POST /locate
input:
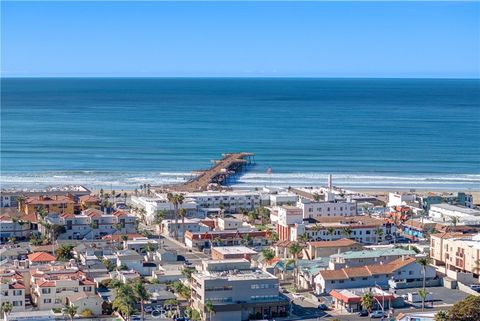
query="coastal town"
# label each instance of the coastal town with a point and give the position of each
(202, 250)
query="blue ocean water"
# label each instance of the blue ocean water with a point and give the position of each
(122, 132)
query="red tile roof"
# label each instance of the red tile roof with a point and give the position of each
(41, 257)
(337, 243)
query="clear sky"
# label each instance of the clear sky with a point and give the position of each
(308, 39)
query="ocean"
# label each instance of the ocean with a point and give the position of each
(122, 132)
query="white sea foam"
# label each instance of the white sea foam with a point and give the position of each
(132, 180)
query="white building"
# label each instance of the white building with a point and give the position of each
(152, 205)
(399, 199)
(312, 209)
(139, 244)
(12, 289)
(188, 224)
(445, 212)
(92, 224)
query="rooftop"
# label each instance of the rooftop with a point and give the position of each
(338, 243)
(229, 250)
(349, 255)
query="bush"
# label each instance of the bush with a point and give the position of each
(87, 313)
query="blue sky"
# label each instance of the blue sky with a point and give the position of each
(308, 39)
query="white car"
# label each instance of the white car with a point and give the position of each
(297, 296)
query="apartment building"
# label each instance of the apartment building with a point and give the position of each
(12, 290)
(445, 213)
(51, 286)
(232, 252)
(320, 249)
(313, 209)
(362, 229)
(188, 224)
(367, 257)
(92, 224)
(50, 204)
(14, 228)
(9, 196)
(456, 251)
(202, 240)
(237, 291)
(401, 273)
(140, 244)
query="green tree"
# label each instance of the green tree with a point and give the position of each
(367, 301)
(294, 250)
(378, 234)
(268, 255)
(176, 200)
(149, 247)
(6, 307)
(441, 316)
(210, 309)
(331, 231)
(466, 310)
(346, 231)
(304, 237)
(423, 294)
(64, 252)
(69, 310)
(125, 301)
(423, 262)
(141, 295)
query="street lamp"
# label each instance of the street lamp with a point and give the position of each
(383, 300)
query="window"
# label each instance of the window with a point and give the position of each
(17, 292)
(17, 303)
(46, 291)
(47, 300)
(57, 301)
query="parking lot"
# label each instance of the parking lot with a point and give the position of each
(441, 295)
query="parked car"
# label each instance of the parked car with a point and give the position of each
(377, 314)
(297, 296)
(363, 313)
(147, 309)
(475, 287)
(323, 307)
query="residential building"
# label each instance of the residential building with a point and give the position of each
(92, 224)
(313, 209)
(89, 201)
(40, 258)
(401, 273)
(86, 301)
(51, 287)
(237, 291)
(456, 251)
(232, 252)
(51, 204)
(228, 223)
(320, 249)
(363, 229)
(12, 290)
(14, 228)
(400, 199)
(202, 240)
(288, 216)
(134, 261)
(445, 213)
(140, 244)
(460, 198)
(188, 224)
(367, 257)
(8, 197)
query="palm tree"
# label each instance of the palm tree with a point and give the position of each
(246, 239)
(182, 213)
(141, 294)
(273, 237)
(346, 231)
(454, 221)
(21, 201)
(366, 210)
(268, 255)
(6, 307)
(424, 261)
(330, 231)
(209, 308)
(423, 294)
(316, 197)
(69, 310)
(125, 300)
(304, 237)
(366, 301)
(176, 200)
(294, 250)
(149, 247)
(378, 234)
(159, 217)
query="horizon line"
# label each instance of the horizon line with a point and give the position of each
(238, 77)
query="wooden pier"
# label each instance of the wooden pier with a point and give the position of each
(218, 175)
